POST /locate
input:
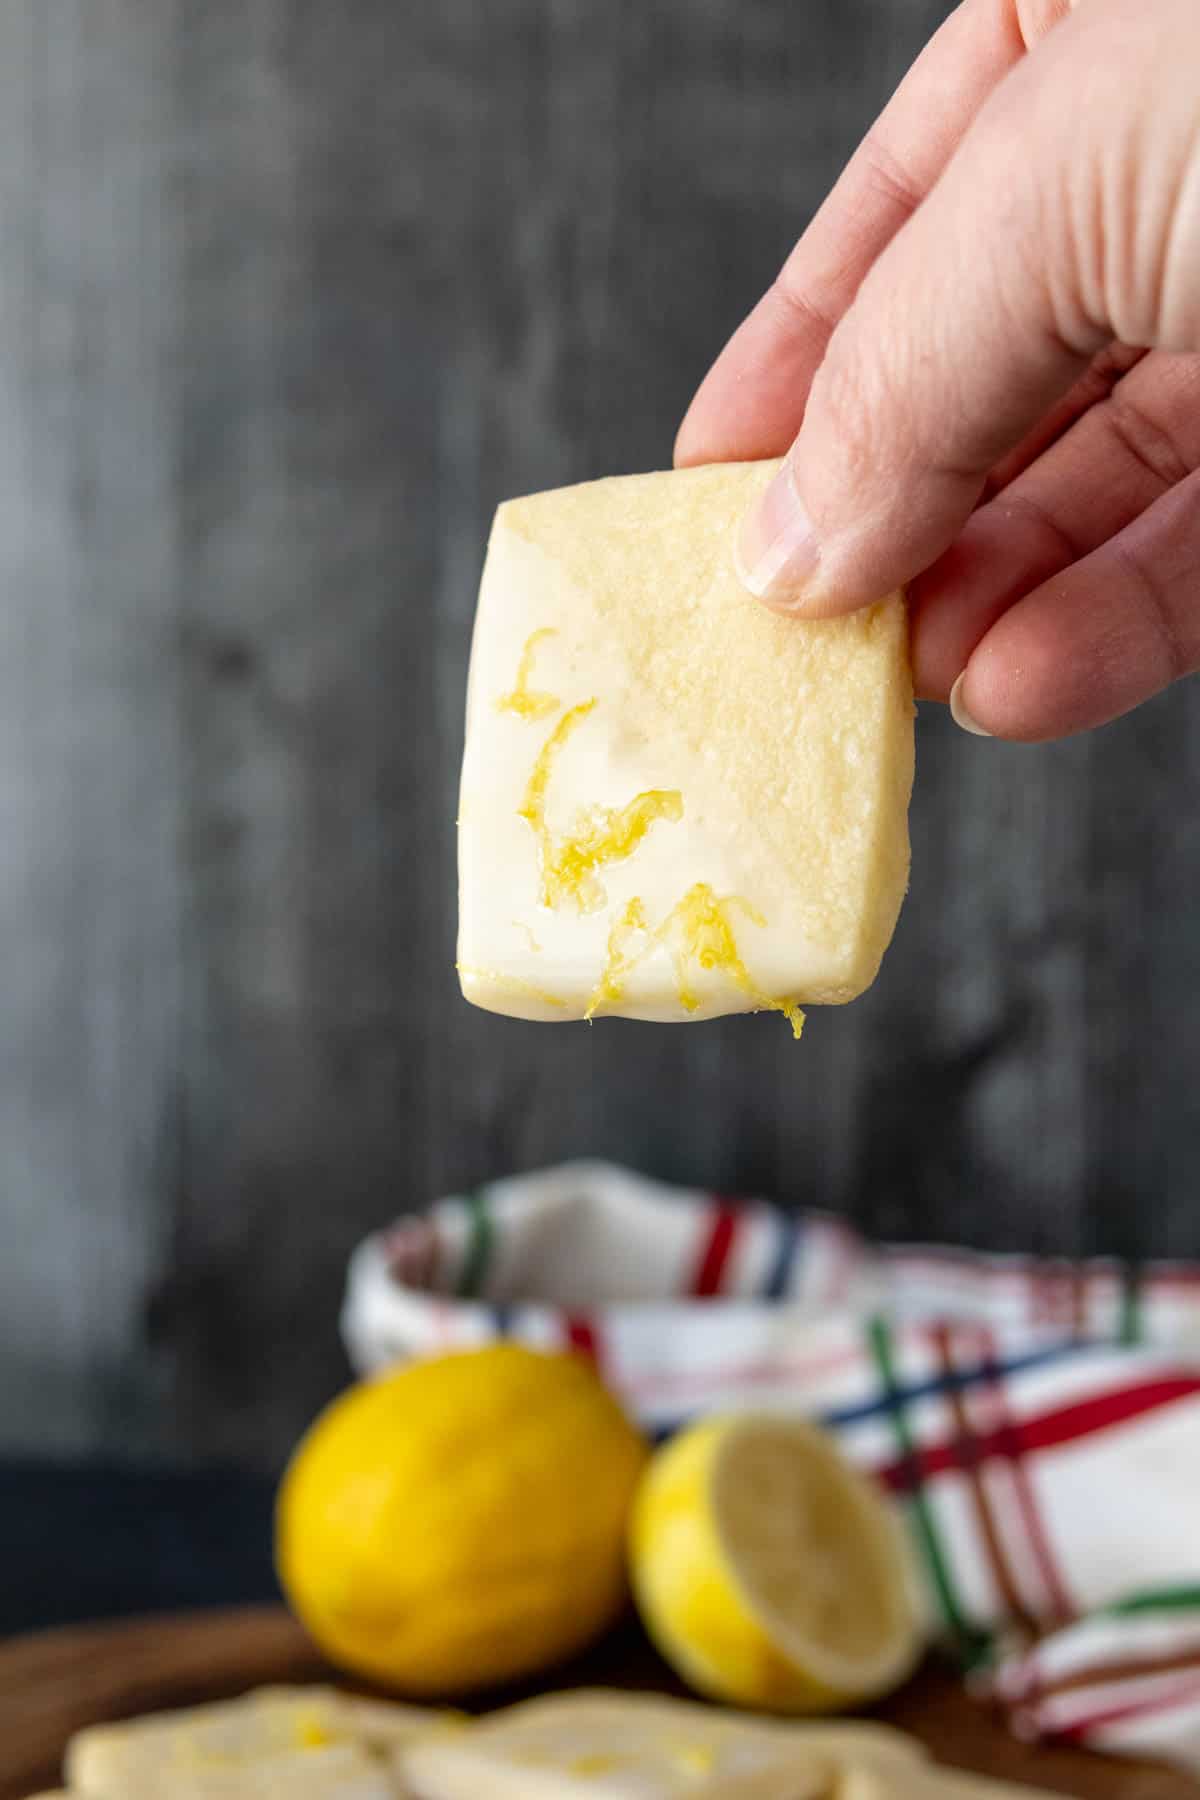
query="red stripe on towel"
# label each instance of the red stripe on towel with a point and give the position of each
(723, 1222)
(1050, 1430)
(582, 1336)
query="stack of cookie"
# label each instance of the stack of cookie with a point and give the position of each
(319, 1744)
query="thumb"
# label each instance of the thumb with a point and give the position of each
(1050, 232)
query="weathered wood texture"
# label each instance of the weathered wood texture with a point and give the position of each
(290, 296)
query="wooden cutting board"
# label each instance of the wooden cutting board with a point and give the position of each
(54, 1682)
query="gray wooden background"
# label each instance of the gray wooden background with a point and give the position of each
(290, 296)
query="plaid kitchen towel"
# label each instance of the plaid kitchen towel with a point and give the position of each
(1039, 1422)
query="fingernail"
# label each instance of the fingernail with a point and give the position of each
(959, 713)
(777, 550)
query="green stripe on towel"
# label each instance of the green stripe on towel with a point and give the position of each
(973, 1644)
(1129, 1331)
(478, 1252)
(1167, 1599)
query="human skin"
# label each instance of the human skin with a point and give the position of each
(981, 361)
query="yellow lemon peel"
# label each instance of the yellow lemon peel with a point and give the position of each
(697, 932)
(523, 700)
(508, 1476)
(597, 835)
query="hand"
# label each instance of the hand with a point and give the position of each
(947, 347)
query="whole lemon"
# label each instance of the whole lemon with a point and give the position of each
(460, 1522)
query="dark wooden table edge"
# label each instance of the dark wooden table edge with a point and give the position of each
(55, 1682)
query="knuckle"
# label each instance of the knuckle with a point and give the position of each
(1062, 545)
(1144, 439)
(799, 306)
(888, 176)
(1166, 635)
(1036, 17)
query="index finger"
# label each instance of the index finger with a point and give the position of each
(751, 403)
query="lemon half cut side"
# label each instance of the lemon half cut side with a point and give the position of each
(769, 1572)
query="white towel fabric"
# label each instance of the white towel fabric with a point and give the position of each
(1039, 1422)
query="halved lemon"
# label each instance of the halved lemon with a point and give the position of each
(769, 1572)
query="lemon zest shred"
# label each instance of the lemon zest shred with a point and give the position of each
(697, 932)
(521, 699)
(311, 1733)
(598, 835)
(520, 925)
(694, 1759)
